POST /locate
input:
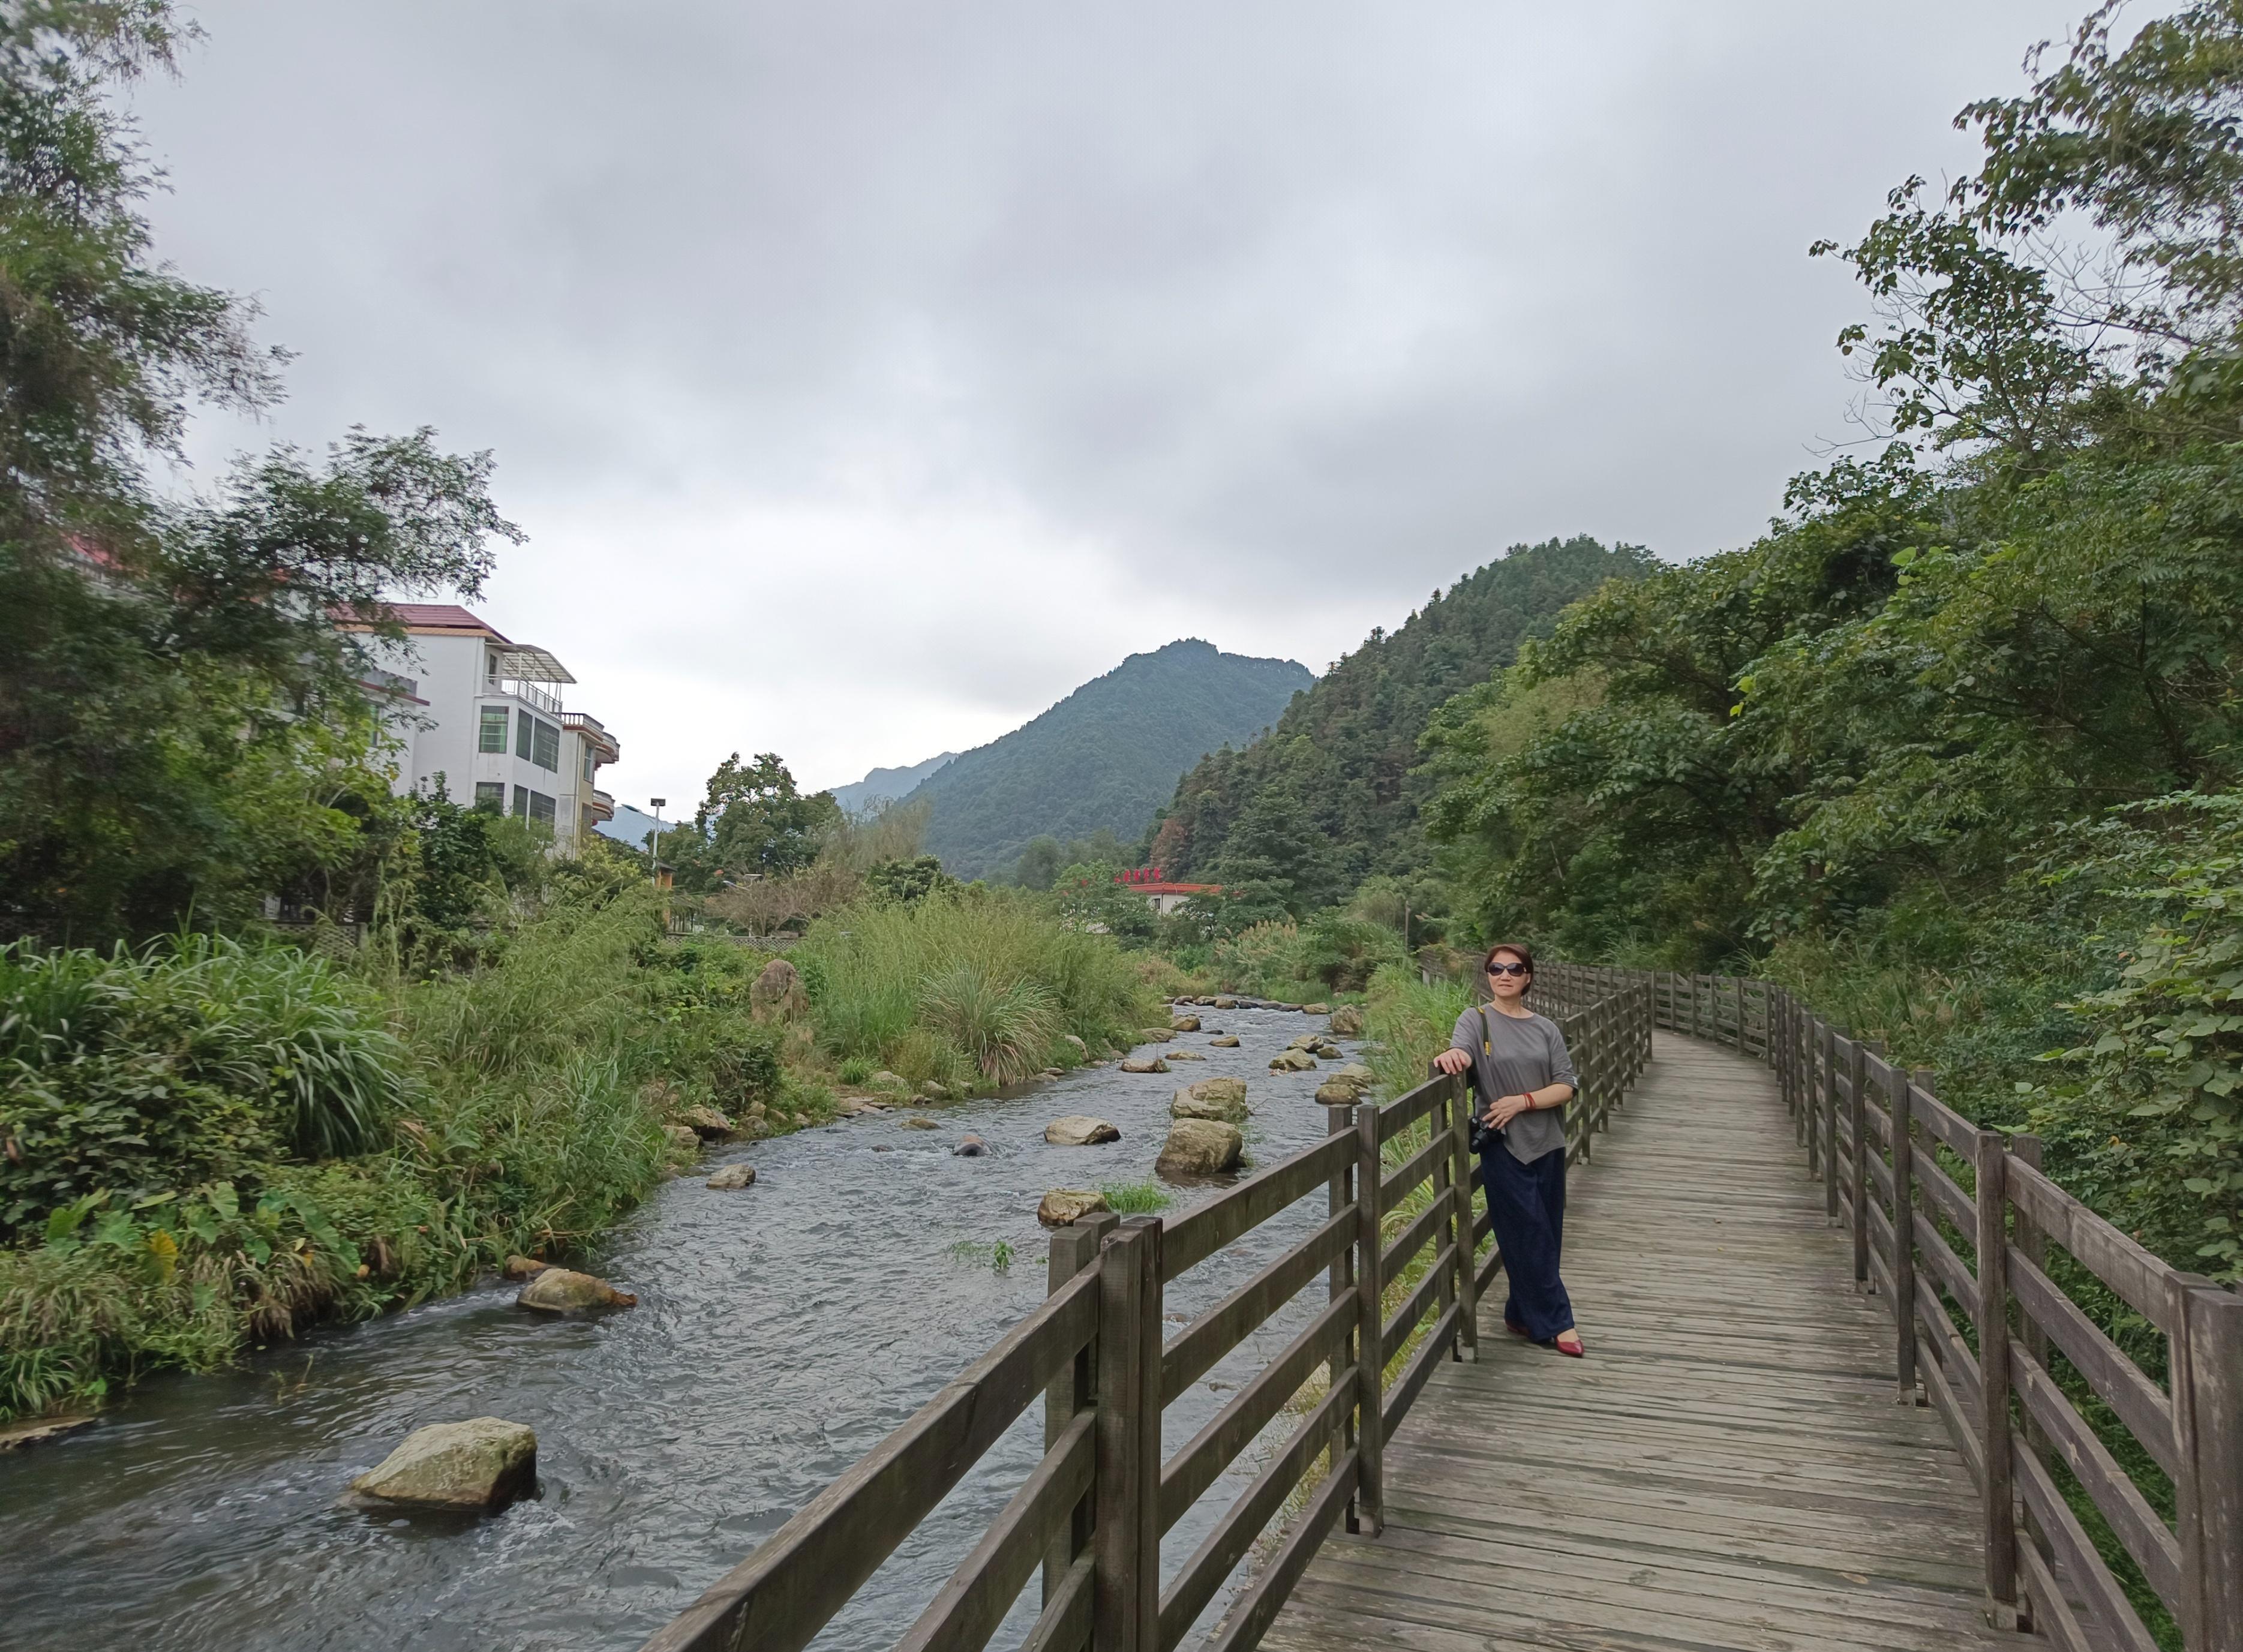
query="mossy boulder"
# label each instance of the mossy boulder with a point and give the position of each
(1223, 1099)
(1144, 1064)
(1346, 1022)
(565, 1290)
(1200, 1147)
(485, 1462)
(1065, 1204)
(1080, 1129)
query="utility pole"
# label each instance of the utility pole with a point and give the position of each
(654, 845)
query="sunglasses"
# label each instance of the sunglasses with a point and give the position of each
(1509, 969)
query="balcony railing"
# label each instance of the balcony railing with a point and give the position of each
(531, 694)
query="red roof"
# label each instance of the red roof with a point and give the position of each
(1172, 889)
(441, 617)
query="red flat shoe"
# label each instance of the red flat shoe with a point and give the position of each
(1573, 1352)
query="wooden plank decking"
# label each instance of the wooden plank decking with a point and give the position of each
(1728, 1467)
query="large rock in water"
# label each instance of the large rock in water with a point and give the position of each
(1141, 1064)
(1315, 1009)
(1184, 1024)
(732, 1176)
(1223, 1099)
(1185, 1055)
(1154, 1034)
(704, 1121)
(1065, 1204)
(1200, 1147)
(1347, 1021)
(1080, 1129)
(1226, 1003)
(1229, 1040)
(565, 1290)
(1292, 1061)
(485, 1462)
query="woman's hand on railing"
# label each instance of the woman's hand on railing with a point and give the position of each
(1453, 1062)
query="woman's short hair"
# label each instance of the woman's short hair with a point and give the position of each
(1516, 950)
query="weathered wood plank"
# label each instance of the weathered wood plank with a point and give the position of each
(1196, 1350)
(1197, 1235)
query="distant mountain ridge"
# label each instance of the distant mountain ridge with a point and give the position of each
(1330, 795)
(884, 784)
(1107, 756)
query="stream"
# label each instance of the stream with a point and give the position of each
(781, 1332)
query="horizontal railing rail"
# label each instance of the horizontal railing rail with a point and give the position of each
(1398, 1242)
(1965, 1238)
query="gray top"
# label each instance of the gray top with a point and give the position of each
(1511, 1055)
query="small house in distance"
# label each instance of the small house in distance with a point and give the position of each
(485, 712)
(1163, 896)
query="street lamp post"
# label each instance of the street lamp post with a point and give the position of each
(654, 845)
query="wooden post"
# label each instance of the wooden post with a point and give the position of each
(1857, 1178)
(1857, 1074)
(1074, 1248)
(1442, 1120)
(1127, 1540)
(1370, 1327)
(2032, 1244)
(1340, 1121)
(1467, 1263)
(1744, 1033)
(2207, 1390)
(1903, 1240)
(1998, 1503)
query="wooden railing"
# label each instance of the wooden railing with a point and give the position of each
(1958, 1229)
(1399, 1247)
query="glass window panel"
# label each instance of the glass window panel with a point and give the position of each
(540, 808)
(545, 746)
(522, 803)
(523, 721)
(491, 794)
(492, 736)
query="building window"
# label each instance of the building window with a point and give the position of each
(540, 808)
(545, 746)
(522, 803)
(523, 724)
(490, 795)
(588, 762)
(492, 736)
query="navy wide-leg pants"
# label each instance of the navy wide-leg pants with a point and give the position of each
(1526, 1204)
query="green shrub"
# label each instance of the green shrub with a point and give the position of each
(194, 1059)
(1136, 1199)
(856, 1069)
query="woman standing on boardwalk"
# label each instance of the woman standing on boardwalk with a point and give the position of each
(1525, 1078)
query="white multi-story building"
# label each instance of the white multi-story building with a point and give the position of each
(483, 715)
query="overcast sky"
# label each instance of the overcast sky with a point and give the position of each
(867, 376)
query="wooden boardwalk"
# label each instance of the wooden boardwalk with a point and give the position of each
(1728, 1468)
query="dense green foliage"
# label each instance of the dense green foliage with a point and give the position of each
(968, 988)
(1105, 757)
(1298, 819)
(1877, 751)
(752, 822)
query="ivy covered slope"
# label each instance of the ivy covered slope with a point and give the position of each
(1328, 797)
(1103, 759)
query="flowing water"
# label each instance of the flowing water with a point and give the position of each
(781, 1331)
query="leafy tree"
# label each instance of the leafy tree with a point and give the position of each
(182, 726)
(1039, 865)
(905, 881)
(1088, 898)
(751, 822)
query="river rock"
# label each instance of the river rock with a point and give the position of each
(519, 1267)
(778, 993)
(1347, 1021)
(1144, 1064)
(728, 1176)
(1185, 1055)
(704, 1122)
(1223, 1099)
(934, 1090)
(1200, 1147)
(885, 1080)
(565, 1290)
(1080, 1129)
(485, 1462)
(40, 1430)
(1080, 1048)
(1305, 1041)
(916, 1123)
(1184, 1024)
(1324, 1049)
(1229, 1040)
(1065, 1204)
(1226, 1003)
(1315, 1009)
(1337, 1092)
(1154, 1036)
(970, 1147)
(683, 1137)
(1292, 1061)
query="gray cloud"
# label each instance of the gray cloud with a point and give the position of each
(870, 376)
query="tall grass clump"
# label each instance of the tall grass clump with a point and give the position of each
(976, 987)
(1408, 1022)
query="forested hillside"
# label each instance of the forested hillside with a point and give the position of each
(1329, 797)
(1105, 757)
(1955, 747)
